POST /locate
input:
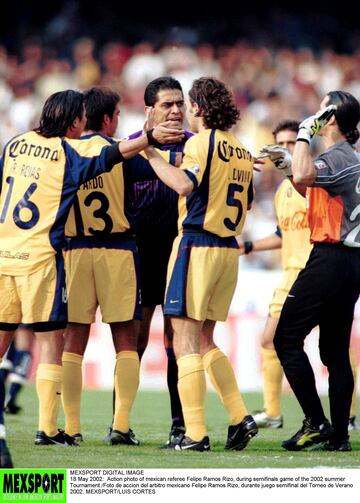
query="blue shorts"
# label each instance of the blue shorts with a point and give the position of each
(202, 276)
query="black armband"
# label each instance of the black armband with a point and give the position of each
(248, 247)
(151, 139)
(113, 155)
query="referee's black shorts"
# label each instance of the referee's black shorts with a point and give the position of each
(154, 253)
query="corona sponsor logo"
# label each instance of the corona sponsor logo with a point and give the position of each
(21, 147)
(226, 151)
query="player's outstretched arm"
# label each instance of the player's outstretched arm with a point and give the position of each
(162, 134)
(173, 177)
(271, 242)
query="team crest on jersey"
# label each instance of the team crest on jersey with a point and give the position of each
(195, 169)
(289, 192)
(64, 295)
(320, 165)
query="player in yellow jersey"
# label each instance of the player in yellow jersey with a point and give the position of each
(101, 263)
(40, 174)
(215, 182)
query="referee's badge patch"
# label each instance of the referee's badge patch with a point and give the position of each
(320, 165)
(195, 169)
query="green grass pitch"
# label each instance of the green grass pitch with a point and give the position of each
(150, 421)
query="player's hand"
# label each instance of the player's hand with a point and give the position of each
(149, 123)
(312, 125)
(164, 134)
(279, 156)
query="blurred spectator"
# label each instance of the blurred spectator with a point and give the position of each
(113, 58)
(87, 70)
(56, 76)
(143, 66)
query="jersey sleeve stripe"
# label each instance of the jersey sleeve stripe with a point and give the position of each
(198, 199)
(192, 177)
(334, 179)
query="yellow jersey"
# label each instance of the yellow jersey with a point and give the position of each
(221, 169)
(105, 204)
(99, 206)
(290, 208)
(39, 180)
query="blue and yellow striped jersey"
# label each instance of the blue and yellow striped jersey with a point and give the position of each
(99, 207)
(221, 169)
(106, 204)
(39, 180)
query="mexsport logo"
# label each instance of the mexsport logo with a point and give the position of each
(33, 483)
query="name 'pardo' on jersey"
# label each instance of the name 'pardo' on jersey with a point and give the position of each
(39, 179)
(99, 207)
(221, 169)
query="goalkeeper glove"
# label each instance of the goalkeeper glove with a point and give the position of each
(312, 125)
(279, 156)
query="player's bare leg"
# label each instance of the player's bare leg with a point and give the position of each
(147, 313)
(6, 337)
(273, 374)
(5, 458)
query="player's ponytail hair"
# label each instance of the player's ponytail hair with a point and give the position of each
(59, 113)
(352, 136)
(216, 103)
(347, 114)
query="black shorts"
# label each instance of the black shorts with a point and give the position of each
(154, 253)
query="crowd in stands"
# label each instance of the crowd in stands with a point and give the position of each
(269, 86)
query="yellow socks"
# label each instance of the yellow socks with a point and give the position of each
(48, 387)
(273, 375)
(354, 371)
(192, 391)
(126, 385)
(72, 387)
(223, 379)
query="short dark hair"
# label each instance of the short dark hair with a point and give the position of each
(59, 113)
(286, 125)
(159, 84)
(216, 103)
(99, 101)
(347, 114)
